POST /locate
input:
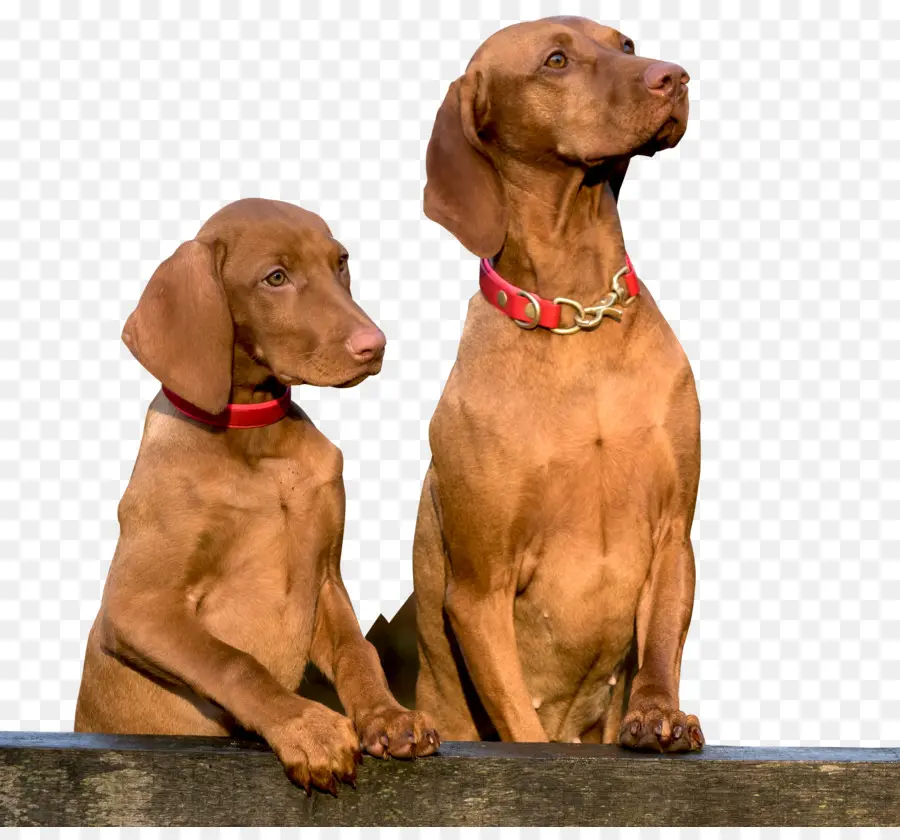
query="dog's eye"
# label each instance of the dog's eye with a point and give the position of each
(556, 60)
(628, 47)
(276, 278)
(342, 262)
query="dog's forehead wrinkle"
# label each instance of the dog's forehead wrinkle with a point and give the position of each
(562, 38)
(261, 213)
(519, 49)
(280, 242)
(318, 251)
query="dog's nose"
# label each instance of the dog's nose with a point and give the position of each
(366, 344)
(665, 78)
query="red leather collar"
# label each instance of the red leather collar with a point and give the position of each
(236, 415)
(519, 304)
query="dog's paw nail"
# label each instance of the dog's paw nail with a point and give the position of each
(658, 729)
(635, 727)
(677, 732)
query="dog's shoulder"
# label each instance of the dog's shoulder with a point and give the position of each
(311, 448)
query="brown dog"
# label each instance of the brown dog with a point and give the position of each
(554, 575)
(226, 578)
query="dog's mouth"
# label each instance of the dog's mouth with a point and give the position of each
(284, 379)
(347, 383)
(666, 137)
(664, 129)
(671, 129)
(372, 368)
(675, 124)
(328, 380)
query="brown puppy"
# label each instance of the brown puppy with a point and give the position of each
(554, 575)
(226, 578)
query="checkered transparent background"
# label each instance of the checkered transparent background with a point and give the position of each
(769, 237)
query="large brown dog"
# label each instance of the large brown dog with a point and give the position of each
(554, 575)
(226, 578)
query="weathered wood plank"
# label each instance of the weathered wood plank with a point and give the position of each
(73, 779)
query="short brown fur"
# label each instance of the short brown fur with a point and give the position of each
(554, 574)
(226, 578)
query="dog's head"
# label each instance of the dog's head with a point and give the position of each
(552, 93)
(265, 279)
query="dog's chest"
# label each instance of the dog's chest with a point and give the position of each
(574, 464)
(597, 487)
(571, 476)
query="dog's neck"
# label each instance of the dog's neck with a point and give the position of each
(251, 382)
(564, 237)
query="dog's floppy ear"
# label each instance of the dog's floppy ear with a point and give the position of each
(182, 331)
(464, 192)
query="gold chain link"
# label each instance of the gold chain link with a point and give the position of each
(586, 317)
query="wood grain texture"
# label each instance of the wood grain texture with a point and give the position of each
(74, 779)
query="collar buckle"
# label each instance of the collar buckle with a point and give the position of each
(621, 293)
(589, 317)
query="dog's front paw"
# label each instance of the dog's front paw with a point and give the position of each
(661, 730)
(392, 731)
(318, 748)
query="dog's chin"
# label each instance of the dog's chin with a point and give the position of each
(326, 383)
(350, 383)
(342, 379)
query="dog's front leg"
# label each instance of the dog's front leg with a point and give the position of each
(157, 634)
(340, 651)
(653, 720)
(483, 625)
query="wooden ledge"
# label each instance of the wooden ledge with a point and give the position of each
(74, 779)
